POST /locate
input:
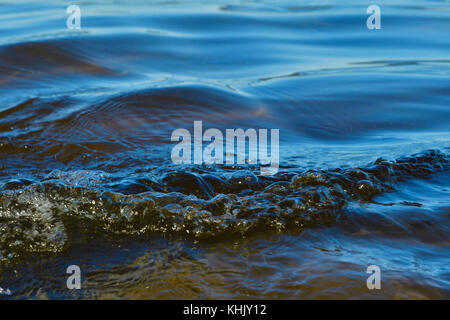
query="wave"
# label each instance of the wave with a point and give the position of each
(195, 202)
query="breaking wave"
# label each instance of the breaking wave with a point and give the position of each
(196, 202)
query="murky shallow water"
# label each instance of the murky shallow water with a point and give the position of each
(86, 176)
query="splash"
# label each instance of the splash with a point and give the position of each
(197, 203)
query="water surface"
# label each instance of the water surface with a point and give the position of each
(86, 176)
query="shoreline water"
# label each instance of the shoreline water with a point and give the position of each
(87, 178)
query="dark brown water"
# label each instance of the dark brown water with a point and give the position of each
(86, 176)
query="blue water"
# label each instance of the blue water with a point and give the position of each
(86, 175)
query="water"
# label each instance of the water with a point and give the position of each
(86, 176)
